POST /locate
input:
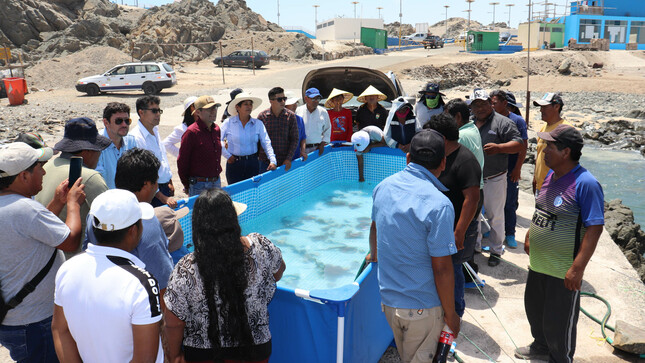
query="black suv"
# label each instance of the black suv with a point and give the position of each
(432, 41)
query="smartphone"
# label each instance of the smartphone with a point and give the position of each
(75, 166)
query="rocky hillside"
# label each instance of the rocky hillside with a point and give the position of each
(184, 30)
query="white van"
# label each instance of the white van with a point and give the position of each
(416, 37)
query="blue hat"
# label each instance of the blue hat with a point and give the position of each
(81, 134)
(313, 93)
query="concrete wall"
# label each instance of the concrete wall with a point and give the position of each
(345, 28)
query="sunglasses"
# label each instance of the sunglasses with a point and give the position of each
(154, 110)
(119, 121)
(279, 99)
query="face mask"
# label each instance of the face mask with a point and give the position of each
(403, 113)
(432, 103)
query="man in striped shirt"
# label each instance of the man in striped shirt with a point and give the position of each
(564, 232)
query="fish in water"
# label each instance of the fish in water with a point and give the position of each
(349, 234)
(354, 206)
(334, 271)
(290, 223)
(345, 249)
(364, 219)
(335, 202)
(308, 218)
(320, 237)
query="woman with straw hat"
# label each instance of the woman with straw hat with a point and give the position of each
(341, 118)
(240, 136)
(371, 111)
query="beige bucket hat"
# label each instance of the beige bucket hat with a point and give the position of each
(243, 97)
(337, 92)
(371, 91)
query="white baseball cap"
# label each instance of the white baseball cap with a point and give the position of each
(360, 139)
(117, 209)
(187, 102)
(18, 156)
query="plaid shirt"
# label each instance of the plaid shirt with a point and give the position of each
(283, 132)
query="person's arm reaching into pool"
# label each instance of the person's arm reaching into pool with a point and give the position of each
(372, 256)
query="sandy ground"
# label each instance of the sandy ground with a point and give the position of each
(502, 326)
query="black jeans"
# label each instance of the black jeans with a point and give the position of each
(552, 311)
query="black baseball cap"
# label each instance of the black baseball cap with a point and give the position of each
(427, 146)
(564, 134)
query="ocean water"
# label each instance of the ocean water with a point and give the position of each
(323, 235)
(622, 176)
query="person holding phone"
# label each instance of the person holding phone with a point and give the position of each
(32, 232)
(81, 139)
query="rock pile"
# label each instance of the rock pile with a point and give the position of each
(619, 223)
(393, 29)
(617, 134)
(456, 26)
(184, 30)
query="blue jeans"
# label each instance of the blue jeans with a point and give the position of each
(196, 188)
(242, 169)
(165, 190)
(29, 343)
(460, 287)
(510, 208)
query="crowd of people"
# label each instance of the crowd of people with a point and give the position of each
(108, 249)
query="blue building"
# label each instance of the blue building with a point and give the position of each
(620, 21)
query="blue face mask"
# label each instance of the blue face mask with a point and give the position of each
(432, 102)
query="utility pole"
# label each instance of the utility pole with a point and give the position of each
(446, 6)
(379, 11)
(400, 20)
(509, 14)
(354, 2)
(278, 12)
(469, 2)
(495, 3)
(316, 17)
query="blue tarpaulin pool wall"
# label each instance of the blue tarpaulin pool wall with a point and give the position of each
(344, 324)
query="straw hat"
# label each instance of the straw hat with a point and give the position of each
(371, 91)
(243, 96)
(337, 92)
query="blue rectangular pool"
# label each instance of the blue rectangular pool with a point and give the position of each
(319, 215)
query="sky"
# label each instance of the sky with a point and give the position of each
(302, 13)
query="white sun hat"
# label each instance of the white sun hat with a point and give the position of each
(243, 97)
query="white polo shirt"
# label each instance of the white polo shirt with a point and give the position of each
(103, 292)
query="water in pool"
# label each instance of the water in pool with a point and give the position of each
(323, 234)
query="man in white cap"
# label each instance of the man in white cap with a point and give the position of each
(109, 287)
(32, 236)
(171, 141)
(316, 119)
(500, 137)
(200, 153)
(116, 119)
(364, 140)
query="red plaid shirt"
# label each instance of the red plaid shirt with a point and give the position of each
(283, 132)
